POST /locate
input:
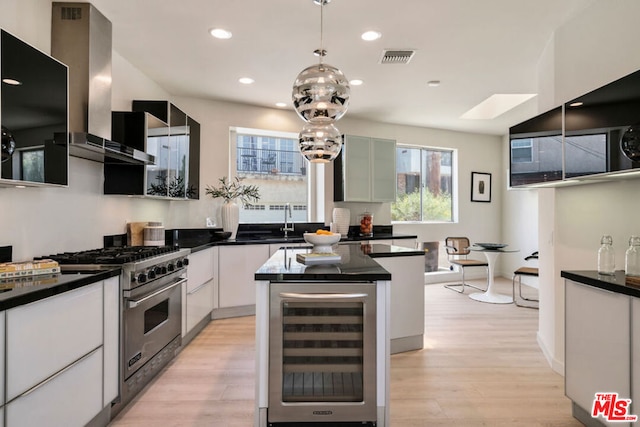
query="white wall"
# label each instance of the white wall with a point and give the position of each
(591, 50)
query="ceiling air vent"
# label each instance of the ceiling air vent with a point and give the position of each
(70, 13)
(397, 56)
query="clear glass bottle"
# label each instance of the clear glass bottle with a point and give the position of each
(632, 257)
(606, 256)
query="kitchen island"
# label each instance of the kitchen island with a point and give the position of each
(322, 340)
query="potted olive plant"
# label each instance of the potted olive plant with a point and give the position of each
(230, 191)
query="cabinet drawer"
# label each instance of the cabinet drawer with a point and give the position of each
(200, 268)
(46, 336)
(72, 398)
(199, 304)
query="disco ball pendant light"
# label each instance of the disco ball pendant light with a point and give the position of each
(320, 97)
(320, 142)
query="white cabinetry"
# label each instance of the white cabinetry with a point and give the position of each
(62, 349)
(407, 301)
(2, 353)
(46, 336)
(199, 289)
(238, 265)
(365, 170)
(635, 354)
(597, 349)
(111, 343)
(71, 398)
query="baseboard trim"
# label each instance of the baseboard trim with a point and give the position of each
(226, 312)
(400, 345)
(555, 364)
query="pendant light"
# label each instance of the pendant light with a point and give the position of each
(320, 96)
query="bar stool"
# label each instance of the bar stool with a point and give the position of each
(524, 271)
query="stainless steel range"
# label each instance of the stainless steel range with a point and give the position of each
(151, 307)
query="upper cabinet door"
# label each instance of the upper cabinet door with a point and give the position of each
(383, 170)
(33, 114)
(163, 130)
(365, 170)
(601, 129)
(357, 158)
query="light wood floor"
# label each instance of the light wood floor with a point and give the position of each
(481, 366)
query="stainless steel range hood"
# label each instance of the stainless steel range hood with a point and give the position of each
(81, 38)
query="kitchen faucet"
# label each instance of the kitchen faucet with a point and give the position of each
(286, 228)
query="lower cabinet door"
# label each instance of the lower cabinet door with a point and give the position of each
(238, 265)
(635, 354)
(199, 304)
(71, 398)
(60, 330)
(597, 345)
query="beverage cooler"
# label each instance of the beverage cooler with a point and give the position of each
(322, 355)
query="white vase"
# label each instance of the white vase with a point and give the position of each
(341, 218)
(230, 217)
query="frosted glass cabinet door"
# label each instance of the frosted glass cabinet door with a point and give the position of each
(357, 177)
(383, 170)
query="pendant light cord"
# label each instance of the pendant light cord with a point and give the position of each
(322, 52)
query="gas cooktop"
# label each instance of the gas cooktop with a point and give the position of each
(112, 255)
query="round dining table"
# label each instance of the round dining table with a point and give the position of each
(490, 296)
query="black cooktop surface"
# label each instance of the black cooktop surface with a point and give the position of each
(111, 255)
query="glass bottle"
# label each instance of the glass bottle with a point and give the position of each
(606, 256)
(632, 257)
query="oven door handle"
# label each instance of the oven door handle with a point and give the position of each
(320, 296)
(136, 302)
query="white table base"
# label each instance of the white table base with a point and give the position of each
(489, 295)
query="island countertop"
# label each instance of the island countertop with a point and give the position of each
(356, 266)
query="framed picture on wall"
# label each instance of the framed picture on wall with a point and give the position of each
(480, 187)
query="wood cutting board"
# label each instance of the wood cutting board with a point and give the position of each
(135, 233)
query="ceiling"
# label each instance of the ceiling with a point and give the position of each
(474, 48)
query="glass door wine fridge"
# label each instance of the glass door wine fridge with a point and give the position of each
(322, 353)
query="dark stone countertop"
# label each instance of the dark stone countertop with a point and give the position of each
(19, 291)
(616, 283)
(199, 239)
(357, 264)
(376, 250)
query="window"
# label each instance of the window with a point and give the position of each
(521, 150)
(273, 162)
(32, 161)
(424, 184)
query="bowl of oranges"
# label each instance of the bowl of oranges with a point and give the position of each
(322, 240)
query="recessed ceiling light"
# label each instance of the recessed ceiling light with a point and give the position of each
(356, 82)
(576, 104)
(220, 33)
(12, 82)
(246, 80)
(433, 83)
(281, 104)
(371, 35)
(496, 105)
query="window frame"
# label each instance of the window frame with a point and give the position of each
(454, 183)
(314, 171)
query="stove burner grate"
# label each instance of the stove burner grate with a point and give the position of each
(113, 255)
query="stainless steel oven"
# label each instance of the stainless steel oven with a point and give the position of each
(322, 353)
(152, 318)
